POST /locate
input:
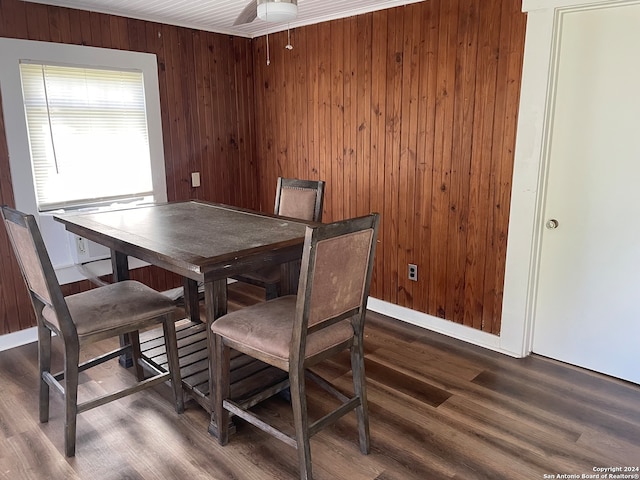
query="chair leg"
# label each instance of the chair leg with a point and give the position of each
(44, 365)
(136, 354)
(173, 360)
(71, 362)
(359, 387)
(222, 388)
(301, 422)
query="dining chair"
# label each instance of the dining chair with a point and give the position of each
(295, 332)
(295, 198)
(121, 308)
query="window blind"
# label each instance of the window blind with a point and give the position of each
(87, 134)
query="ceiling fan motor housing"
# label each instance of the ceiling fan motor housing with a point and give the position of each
(277, 10)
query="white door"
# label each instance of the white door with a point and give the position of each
(588, 299)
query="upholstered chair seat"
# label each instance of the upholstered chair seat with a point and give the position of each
(114, 306)
(267, 328)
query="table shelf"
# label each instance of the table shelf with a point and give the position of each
(248, 376)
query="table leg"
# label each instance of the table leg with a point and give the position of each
(289, 277)
(191, 300)
(215, 299)
(120, 268)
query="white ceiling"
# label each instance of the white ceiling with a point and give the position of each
(219, 15)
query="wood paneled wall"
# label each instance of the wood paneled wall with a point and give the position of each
(206, 96)
(410, 112)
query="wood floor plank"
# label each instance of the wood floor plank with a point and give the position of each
(31, 456)
(565, 406)
(543, 443)
(419, 354)
(461, 448)
(610, 447)
(396, 381)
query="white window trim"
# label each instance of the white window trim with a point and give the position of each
(14, 50)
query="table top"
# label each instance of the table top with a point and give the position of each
(200, 240)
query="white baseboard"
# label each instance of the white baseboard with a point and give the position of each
(429, 322)
(16, 339)
(439, 325)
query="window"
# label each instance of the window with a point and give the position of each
(88, 134)
(83, 171)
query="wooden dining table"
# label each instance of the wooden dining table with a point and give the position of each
(205, 243)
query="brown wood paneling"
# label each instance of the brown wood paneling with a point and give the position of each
(392, 119)
(414, 110)
(245, 128)
(481, 164)
(465, 68)
(336, 140)
(12, 293)
(408, 159)
(363, 115)
(409, 111)
(426, 139)
(37, 22)
(500, 208)
(439, 280)
(312, 100)
(378, 109)
(206, 96)
(350, 126)
(323, 104)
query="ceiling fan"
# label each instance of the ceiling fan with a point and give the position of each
(269, 11)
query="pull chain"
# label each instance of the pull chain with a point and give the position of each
(288, 46)
(268, 60)
(266, 19)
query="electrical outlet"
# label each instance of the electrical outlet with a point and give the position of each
(413, 272)
(195, 179)
(81, 246)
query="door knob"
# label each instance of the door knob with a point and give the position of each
(551, 224)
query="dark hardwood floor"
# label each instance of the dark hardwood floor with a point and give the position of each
(440, 409)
